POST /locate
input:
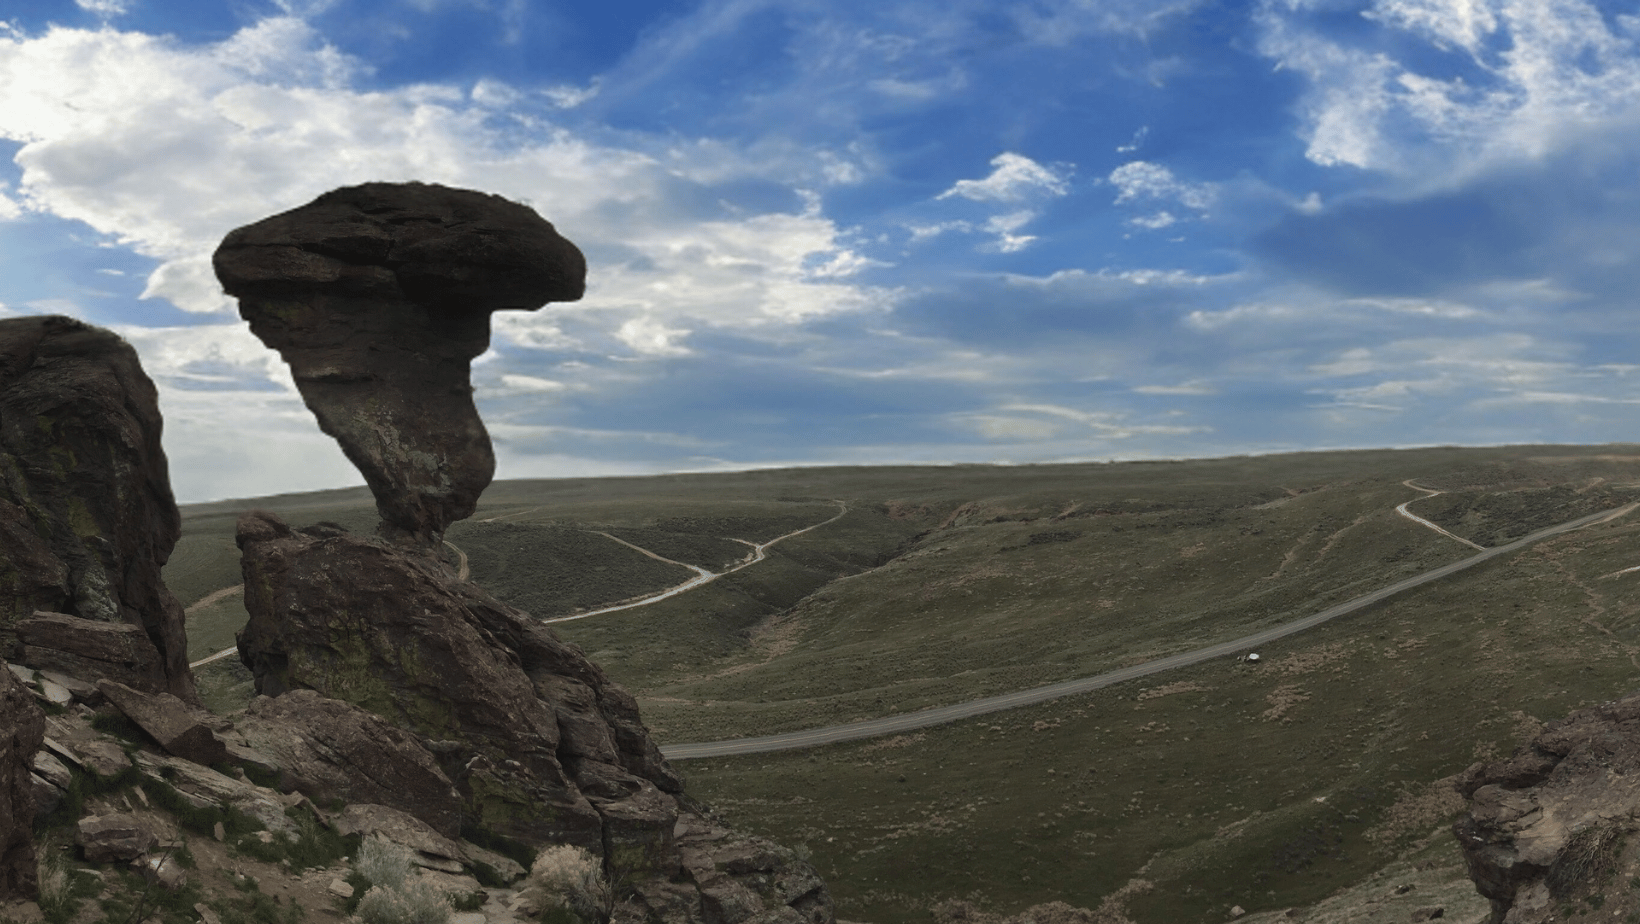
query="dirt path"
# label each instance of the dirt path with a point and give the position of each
(213, 597)
(702, 576)
(1430, 492)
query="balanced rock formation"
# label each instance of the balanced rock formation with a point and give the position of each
(87, 517)
(1553, 826)
(378, 297)
(22, 729)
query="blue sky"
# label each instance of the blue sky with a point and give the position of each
(838, 232)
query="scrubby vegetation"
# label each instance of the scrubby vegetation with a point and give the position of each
(394, 896)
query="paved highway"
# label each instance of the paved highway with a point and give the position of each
(922, 719)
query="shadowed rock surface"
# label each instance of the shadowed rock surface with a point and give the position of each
(543, 746)
(89, 648)
(22, 729)
(1553, 826)
(378, 297)
(330, 750)
(87, 517)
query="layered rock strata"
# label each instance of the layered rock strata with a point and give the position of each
(87, 517)
(378, 297)
(1553, 826)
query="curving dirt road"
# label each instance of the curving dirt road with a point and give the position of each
(702, 576)
(942, 714)
(1430, 492)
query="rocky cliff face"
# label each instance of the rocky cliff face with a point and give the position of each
(1551, 831)
(379, 296)
(22, 729)
(87, 517)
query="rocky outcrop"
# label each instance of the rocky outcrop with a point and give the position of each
(379, 296)
(22, 729)
(87, 517)
(542, 745)
(1553, 825)
(333, 751)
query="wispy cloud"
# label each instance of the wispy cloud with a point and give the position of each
(1015, 178)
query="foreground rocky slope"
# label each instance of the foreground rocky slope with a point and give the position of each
(1550, 831)
(288, 767)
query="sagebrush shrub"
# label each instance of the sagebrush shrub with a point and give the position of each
(572, 877)
(414, 902)
(395, 896)
(383, 862)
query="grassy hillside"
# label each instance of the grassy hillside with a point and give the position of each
(1222, 784)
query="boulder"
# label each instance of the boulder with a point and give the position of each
(331, 750)
(179, 728)
(91, 648)
(114, 838)
(74, 742)
(87, 517)
(378, 297)
(429, 849)
(1546, 827)
(22, 729)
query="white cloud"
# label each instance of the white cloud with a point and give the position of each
(1003, 428)
(1193, 387)
(529, 384)
(1004, 226)
(1465, 23)
(1061, 22)
(9, 207)
(1014, 179)
(1154, 222)
(190, 284)
(104, 8)
(1140, 180)
(565, 96)
(649, 337)
(1520, 79)
(165, 147)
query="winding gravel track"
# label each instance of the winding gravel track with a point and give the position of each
(939, 715)
(702, 576)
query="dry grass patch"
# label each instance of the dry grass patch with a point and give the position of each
(1182, 686)
(1281, 700)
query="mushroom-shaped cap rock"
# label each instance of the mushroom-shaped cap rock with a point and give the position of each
(379, 297)
(458, 249)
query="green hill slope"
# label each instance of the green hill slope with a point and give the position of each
(1224, 784)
